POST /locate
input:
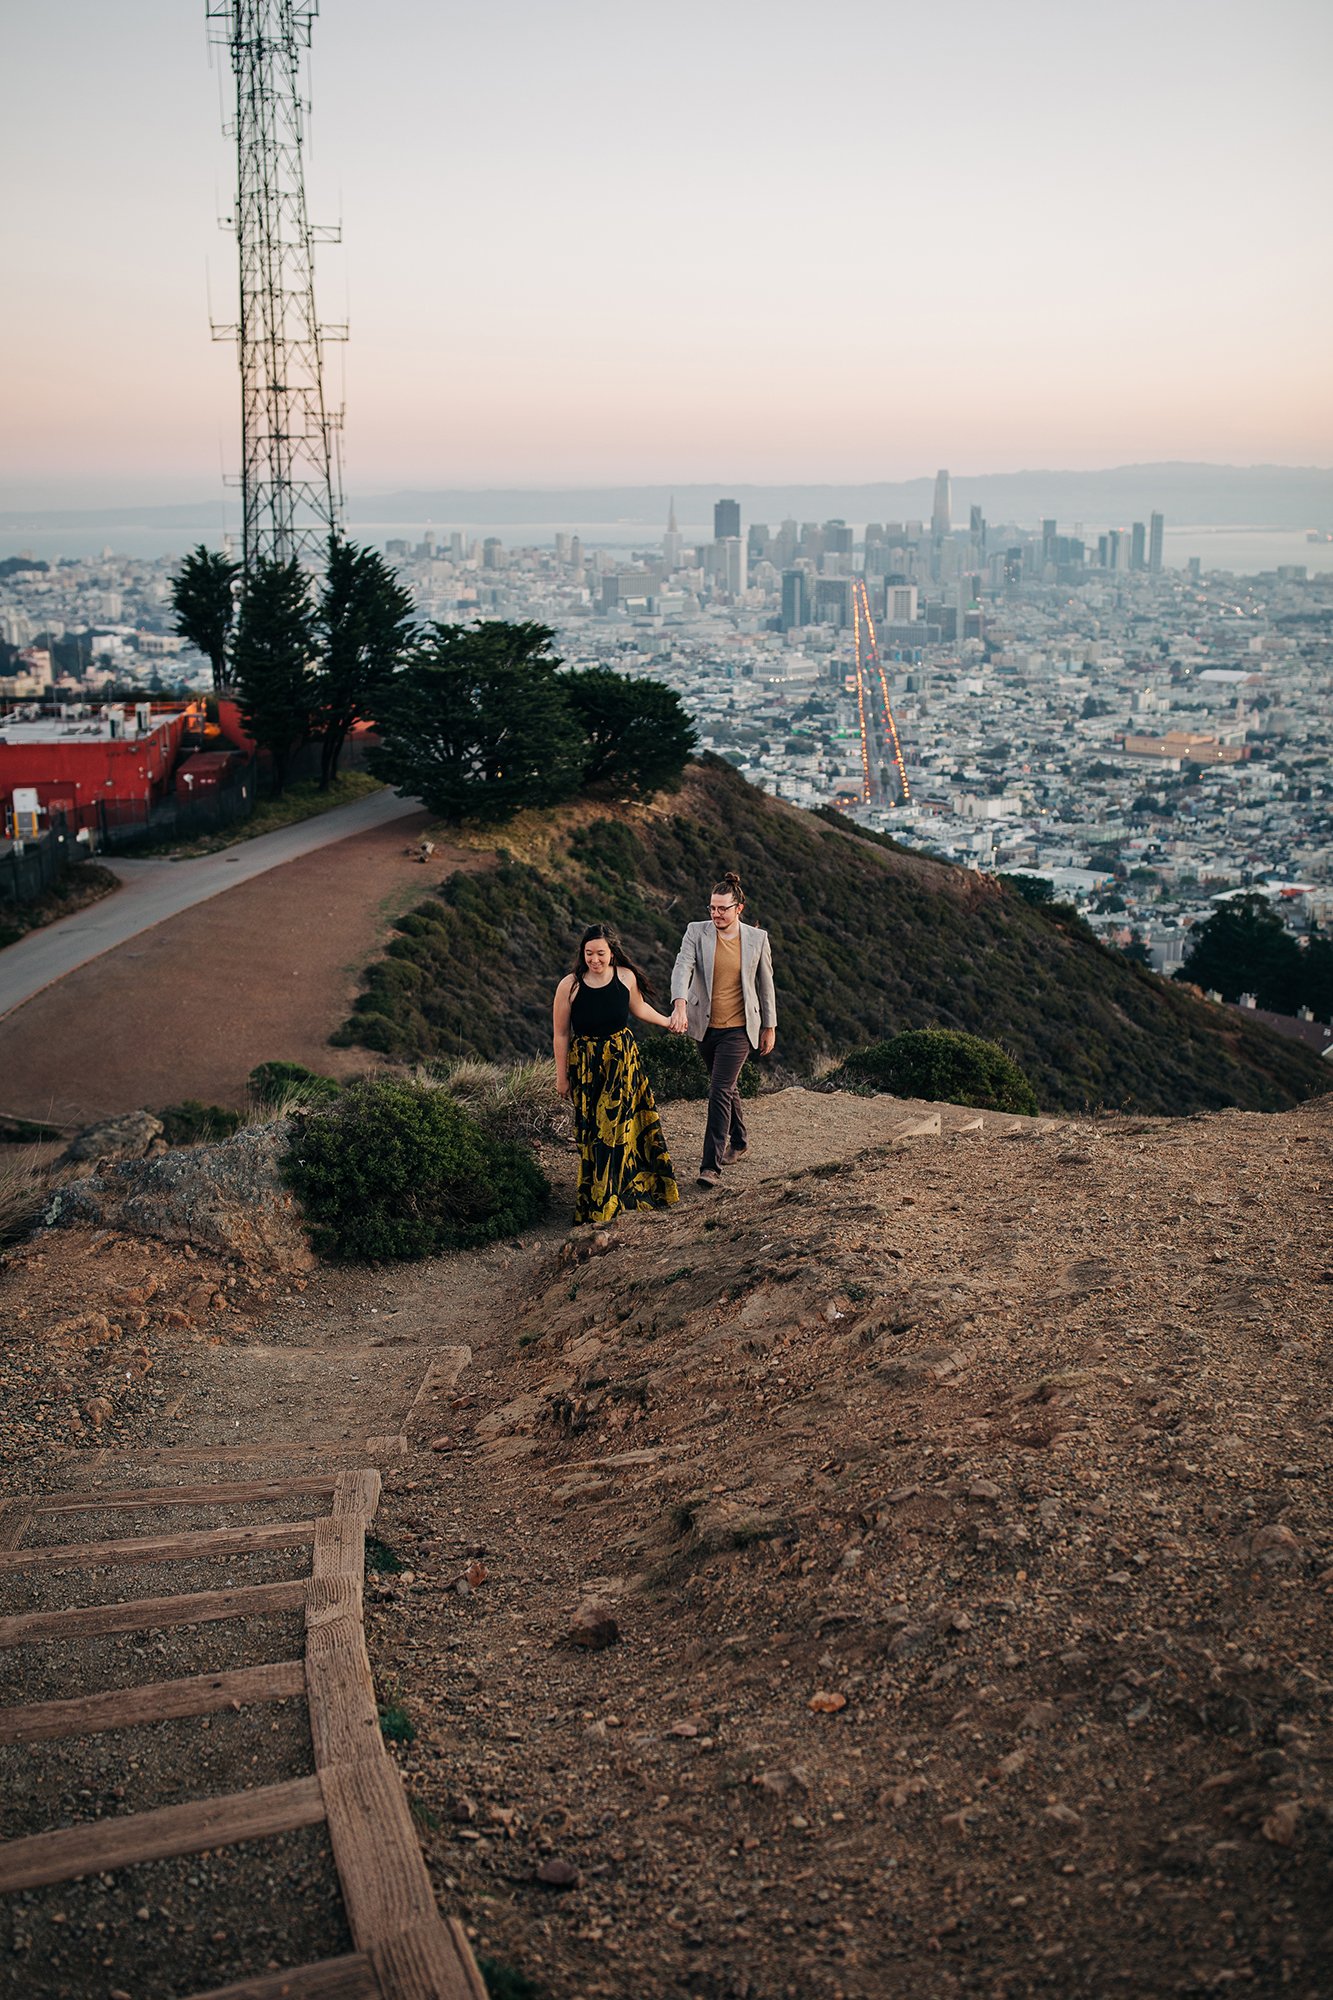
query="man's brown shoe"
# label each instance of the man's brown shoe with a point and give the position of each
(709, 1177)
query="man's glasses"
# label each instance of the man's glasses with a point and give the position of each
(720, 909)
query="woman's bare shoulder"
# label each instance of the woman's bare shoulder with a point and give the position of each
(626, 978)
(565, 990)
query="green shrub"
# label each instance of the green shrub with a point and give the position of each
(944, 1066)
(191, 1123)
(392, 1170)
(277, 1085)
(675, 1068)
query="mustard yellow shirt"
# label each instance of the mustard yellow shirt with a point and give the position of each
(728, 1010)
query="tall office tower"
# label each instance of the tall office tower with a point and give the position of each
(575, 553)
(726, 520)
(941, 519)
(1156, 536)
(671, 541)
(757, 543)
(784, 545)
(1138, 542)
(1047, 542)
(838, 538)
(727, 564)
(795, 599)
(561, 547)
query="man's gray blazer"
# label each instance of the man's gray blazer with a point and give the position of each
(692, 978)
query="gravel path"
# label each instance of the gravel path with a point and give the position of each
(963, 1509)
(155, 890)
(186, 1008)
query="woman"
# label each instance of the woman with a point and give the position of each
(623, 1160)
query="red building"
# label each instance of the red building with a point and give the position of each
(100, 767)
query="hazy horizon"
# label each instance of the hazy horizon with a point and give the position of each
(584, 246)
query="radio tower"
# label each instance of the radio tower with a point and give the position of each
(291, 489)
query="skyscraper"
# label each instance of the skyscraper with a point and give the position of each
(671, 541)
(941, 519)
(726, 520)
(1156, 535)
(1137, 546)
(795, 599)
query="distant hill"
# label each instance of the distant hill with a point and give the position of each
(867, 939)
(1194, 495)
(1250, 496)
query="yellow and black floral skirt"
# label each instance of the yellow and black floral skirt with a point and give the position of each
(623, 1160)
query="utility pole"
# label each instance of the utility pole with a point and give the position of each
(291, 485)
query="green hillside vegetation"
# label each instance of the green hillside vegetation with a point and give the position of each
(869, 940)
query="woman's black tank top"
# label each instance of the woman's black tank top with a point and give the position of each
(600, 1010)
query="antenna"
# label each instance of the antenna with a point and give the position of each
(291, 490)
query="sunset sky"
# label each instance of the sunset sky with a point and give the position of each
(725, 241)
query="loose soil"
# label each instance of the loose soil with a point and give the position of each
(265, 972)
(961, 1506)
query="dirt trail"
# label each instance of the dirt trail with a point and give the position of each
(264, 972)
(963, 1506)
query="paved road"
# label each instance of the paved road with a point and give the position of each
(155, 890)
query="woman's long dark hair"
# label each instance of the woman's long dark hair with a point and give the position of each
(619, 956)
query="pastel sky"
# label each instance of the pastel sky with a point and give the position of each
(610, 241)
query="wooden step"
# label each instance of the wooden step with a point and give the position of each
(189, 1545)
(153, 1701)
(231, 1493)
(141, 1614)
(350, 1978)
(128, 1838)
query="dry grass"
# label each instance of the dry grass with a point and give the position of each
(510, 1101)
(25, 1187)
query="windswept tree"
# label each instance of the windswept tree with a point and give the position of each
(205, 603)
(638, 734)
(273, 658)
(363, 622)
(478, 725)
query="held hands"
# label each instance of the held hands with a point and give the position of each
(680, 1017)
(767, 1037)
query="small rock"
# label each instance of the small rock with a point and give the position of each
(1038, 1715)
(826, 1701)
(99, 1410)
(476, 1574)
(983, 1489)
(1274, 1543)
(1063, 1815)
(593, 1625)
(441, 1444)
(683, 1729)
(1280, 1825)
(557, 1874)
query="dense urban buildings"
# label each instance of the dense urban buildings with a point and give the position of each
(1144, 738)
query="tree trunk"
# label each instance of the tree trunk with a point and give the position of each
(329, 753)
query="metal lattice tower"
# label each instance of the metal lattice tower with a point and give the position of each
(291, 487)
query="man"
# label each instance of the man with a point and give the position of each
(722, 994)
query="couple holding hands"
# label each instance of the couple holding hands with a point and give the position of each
(721, 994)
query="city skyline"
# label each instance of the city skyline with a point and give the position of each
(618, 251)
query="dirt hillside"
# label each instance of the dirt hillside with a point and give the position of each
(960, 1508)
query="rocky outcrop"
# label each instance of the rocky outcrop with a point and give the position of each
(230, 1199)
(132, 1136)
